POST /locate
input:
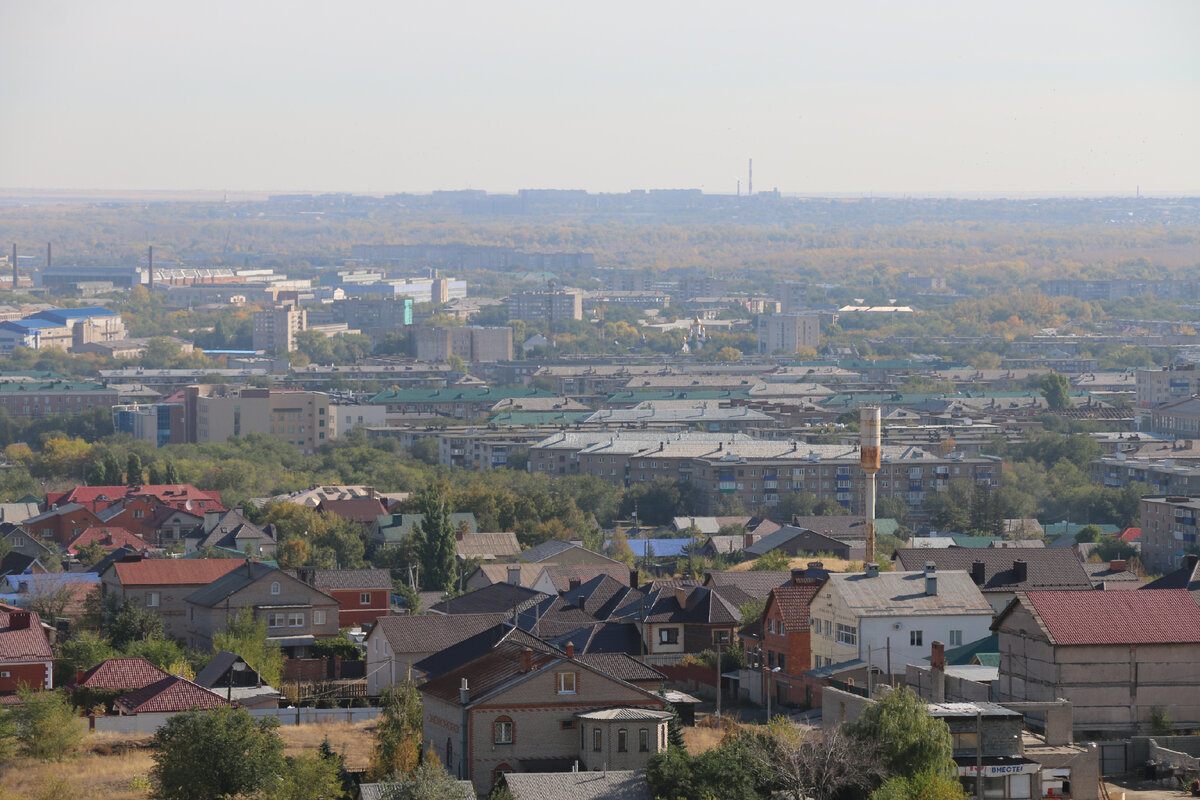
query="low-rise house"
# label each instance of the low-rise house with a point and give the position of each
(232, 531)
(21, 540)
(398, 642)
(1186, 577)
(16, 513)
(686, 619)
(391, 529)
(1118, 657)
(109, 538)
(161, 584)
(486, 546)
(1112, 575)
(579, 785)
(779, 643)
(505, 701)
(165, 526)
(359, 510)
(557, 551)
(794, 542)
(362, 595)
(1000, 574)
(26, 659)
(170, 695)
(889, 619)
(118, 675)
(15, 563)
(547, 578)
(296, 613)
(61, 523)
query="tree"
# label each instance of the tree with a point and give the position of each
(309, 776)
(618, 548)
(49, 598)
(397, 731)
(199, 755)
(771, 561)
(429, 781)
(247, 637)
(47, 726)
(438, 548)
(909, 740)
(133, 468)
(90, 554)
(922, 786)
(159, 651)
(1057, 391)
(128, 623)
(819, 765)
(425, 450)
(1088, 533)
(81, 652)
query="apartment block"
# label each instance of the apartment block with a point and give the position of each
(1158, 386)
(1168, 531)
(42, 398)
(550, 306)
(788, 332)
(471, 343)
(221, 411)
(275, 329)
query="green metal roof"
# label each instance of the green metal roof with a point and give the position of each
(711, 394)
(455, 395)
(52, 387)
(987, 647)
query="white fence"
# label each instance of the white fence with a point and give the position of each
(149, 723)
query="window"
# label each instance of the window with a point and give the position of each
(139, 513)
(993, 786)
(5, 674)
(966, 740)
(668, 635)
(828, 628)
(295, 620)
(502, 731)
(597, 740)
(644, 740)
(915, 638)
(364, 598)
(151, 599)
(449, 753)
(568, 724)
(782, 662)
(275, 620)
(771, 659)
(770, 626)
(319, 619)
(566, 683)
(955, 638)
(622, 740)
(275, 587)
(847, 634)
(721, 637)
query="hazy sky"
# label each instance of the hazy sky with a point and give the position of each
(956, 97)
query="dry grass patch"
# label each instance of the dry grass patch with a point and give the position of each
(801, 562)
(353, 740)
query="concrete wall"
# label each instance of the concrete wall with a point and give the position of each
(148, 723)
(958, 690)
(840, 708)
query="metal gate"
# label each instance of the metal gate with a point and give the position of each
(1113, 757)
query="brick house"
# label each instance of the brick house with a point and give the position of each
(296, 614)
(61, 524)
(505, 701)
(398, 642)
(176, 495)
(682, 619)
(1001, 573)
(25, 655)
(1116, 656)
(161, 584)
(780, 640)
(363, 595)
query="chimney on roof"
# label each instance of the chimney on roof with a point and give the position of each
(573, 583)
(797, 577)
(526, 660)
(249, 568)
(464, 692)
(978, 572)
(937, 672)
(930, 579)
(1190, 560)
(18, 620)
(1021, 569)
(514, 576)
(747, 540)
(570, 649)
(1117, 565)
(872, 570)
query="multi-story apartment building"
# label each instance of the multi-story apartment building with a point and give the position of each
(472, 343)
(275, 329)
(62, 327)
(1168, 531)
(453, 402)
(161, 423)
(548, 306)
(221, 411)
(1178, 418)
(788, 332)
(793, 296)
(482, 449)
(1158, 386)
(43, 398)
(755, 471)
(1162, 475)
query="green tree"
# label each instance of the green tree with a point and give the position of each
(90, 554)
(618, 548)
(438, 549)
(771, 561)
(1088, 533)
(909, 740)
(159, 651)
(816, 765)
(84, 650)
(247, 637)
(47, 727)
(128, 623)
(922, 786)
(1057, 391)
(425, 450)
(133, 468)
(223, 752)
(309, 776)
(397, 732)
(429, 781)
(113, 476)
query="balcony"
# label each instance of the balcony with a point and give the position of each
(770, 483)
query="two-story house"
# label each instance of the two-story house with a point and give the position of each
(296, 614)
(232, 531)
(61, 524)
(363, 595)
(778, 644)
(506, 701)
(25, 655)
(888, 619)
(161, 584)
(398, 642)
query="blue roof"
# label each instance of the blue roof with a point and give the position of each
(29, 323)
(666, 548)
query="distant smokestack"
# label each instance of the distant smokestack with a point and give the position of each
(870, 446)
(49, 259)
(14, 266)
(750, 182)
(150, 255)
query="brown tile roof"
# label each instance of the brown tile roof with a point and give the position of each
(429, 632)
(754, 583)
(172, 571)
(355, 509)
(561, 575)
(793, 603)
(1050, 568)
(621, 666)
(497, 666)
(110, 538)
(28, 643)
(1156, 616)
(170, 694)
(122, 673)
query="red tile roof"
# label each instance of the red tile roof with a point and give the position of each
(25, 643)
(170, 694)
(110, 538)
(177, 495)
(1156, 616)
(122, 673)
(793, 603)
(173, 571)
(1130, 535)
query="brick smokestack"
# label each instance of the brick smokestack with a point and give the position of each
(937, 672)
(526, 660)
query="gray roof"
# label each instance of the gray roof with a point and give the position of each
(892, 593)
(1045, 569)
(786, 534)
(427, 633)
(222, 587)
(625, 714)
(348, 579)
(374, 791)
(608, 785)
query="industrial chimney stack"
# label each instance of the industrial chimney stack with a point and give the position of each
(14, 266)
(870, 446)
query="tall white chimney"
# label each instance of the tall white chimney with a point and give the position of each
(870, 446)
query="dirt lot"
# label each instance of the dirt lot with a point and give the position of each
(1141, 790)
(116, 765)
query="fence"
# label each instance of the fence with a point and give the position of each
(149, 723)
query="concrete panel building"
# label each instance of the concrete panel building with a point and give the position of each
(1168, 531)
(788, 332)
(275, 329)
(471, 343)
(549, 306)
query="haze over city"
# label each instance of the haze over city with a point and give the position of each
(1022, 98)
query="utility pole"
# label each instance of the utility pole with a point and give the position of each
(978, 755)
(718, 645)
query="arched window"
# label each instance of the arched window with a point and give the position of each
(275, 587)
(449, 754)
(502, 730)
(622, 740)
(500, 771)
